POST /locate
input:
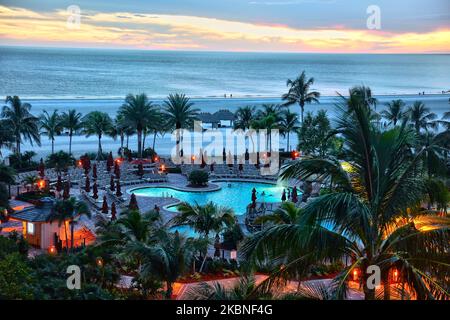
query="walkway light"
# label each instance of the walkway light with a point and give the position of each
(41, 184)
(99, 262)
(52, 250)
(355, 274)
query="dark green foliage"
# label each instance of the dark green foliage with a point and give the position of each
(198, 178)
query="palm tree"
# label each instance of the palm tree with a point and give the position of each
(289, 122)
(204, 219)
(97, 123)
(23, 125)
(268, 122)
(394, 111)
(244, 117)
(139, 113)
(180, 114)
(7, 174)
(299, 92)
(6, 137)
(421, 117)
(287, 213)
(71, 120)
(369, 215)
(51, 126)
(66, 211)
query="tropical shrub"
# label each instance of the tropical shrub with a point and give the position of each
(198, 178)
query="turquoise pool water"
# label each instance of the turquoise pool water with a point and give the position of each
(236, 195)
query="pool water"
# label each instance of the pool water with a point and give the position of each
(235, 195)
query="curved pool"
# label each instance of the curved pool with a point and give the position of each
(233, 194)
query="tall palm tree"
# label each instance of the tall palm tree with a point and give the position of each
(180, 114)
(97, 123)
(269, 122)
(139, 113)
(23, 125)
(72, 121)
(6, 137)
(369, 215)
(204, 219)
(65, 211)
(394, 111)
(299, 92)
(51, 126)
(289, 122)
(421, 117)
(244, 117)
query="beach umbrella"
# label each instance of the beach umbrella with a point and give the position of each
(283, 196)
(294, 195)
(140, 171)
(66, 193)
(212, 167)
(95, 191)
(41, 169)
(254, 198)
(86, 164)
(87, 186)
(109, 162)
(59, 185)
(257, 160)
(133, 205)
(111, 183)
(94, 171)
(241, 167)
(116, 170)
(118, 191)
(113, 211)
(224, 155)
(247, 155)
(105, 205)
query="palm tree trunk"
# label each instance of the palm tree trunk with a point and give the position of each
(70, 142)
(386, 285)
(287, 147)
(154, 139)
(122, 137)
(128, 138)
(144, 136)
(139, 137)
(18, 147)
(100, 151)
(53, 146)
(302, 110)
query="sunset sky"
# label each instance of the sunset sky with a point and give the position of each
(407, 26)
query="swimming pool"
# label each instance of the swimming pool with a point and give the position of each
(233, 194)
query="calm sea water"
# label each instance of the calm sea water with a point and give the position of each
(88, 79)
(94, 73)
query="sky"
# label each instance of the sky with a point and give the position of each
(326, 26)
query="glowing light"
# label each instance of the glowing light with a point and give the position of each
(99, 262)
(41, 184)
(162, 168)
(355, 274)
(52, 250)
(80, 163)
(156, 159)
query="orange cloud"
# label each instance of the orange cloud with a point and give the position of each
(158, 31)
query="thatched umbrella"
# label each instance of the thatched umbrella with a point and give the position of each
(87, 186)
(111, 184)
(118, 190)
(59, 185)
(283, 196)
(105, 205)
(109, 162)
(41, 168)
(66, 193)
(133, 205)
(95, 191)
(113, 211)
(294, 195)
(94, 171)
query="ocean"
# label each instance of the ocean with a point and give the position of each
(94, 79)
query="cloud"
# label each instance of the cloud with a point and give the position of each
(187, 32)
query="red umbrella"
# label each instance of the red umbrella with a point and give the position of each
(95, 191)
(224, 155)
(116, 170)
(109, 162)
(111, 183)
(140, 171)
(94, 171)
(118, 191)
(104, 205)
(113, 211)
(283, 196)
(87, 186)
(133, 203)
(212, 167)
(253, 198)
(59, 185)
(294, 195)
(86, 164)
(66, 193)
(41, 169)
